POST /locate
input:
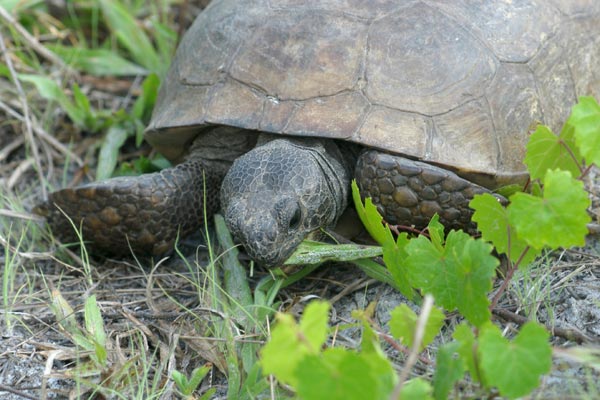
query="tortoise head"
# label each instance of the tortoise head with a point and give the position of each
(280, 193)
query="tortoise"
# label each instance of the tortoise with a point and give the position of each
(271, 108)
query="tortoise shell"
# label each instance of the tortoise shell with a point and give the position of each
(454, 83)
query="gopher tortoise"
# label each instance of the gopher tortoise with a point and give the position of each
(270, 109)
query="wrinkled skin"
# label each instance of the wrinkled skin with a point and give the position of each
(282, 192)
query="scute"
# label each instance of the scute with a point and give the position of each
(454, 83)
(302, 55)
(420, 60)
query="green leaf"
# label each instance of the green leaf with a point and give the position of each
(371, 218)
(144, 104)
(50, 90)
(403, 325)
(558, 219)
(99, 62)
(394, 258)
(515, 367)
(458, 275)
(109, 152)
(416, 389)
(545, 151)
(394, 254)
(197, 376)
(313, 323)
(492, 221)
(585, 118)
(376, 358)
(450, 368)
(309, 252)
(290, 343)
(235, 276)
(132, 36)
(338, 374)
(94, 324)
(181, 381)
(465, 337)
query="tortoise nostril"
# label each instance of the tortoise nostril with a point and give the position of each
(295, 220)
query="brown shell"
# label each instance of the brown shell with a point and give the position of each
(455, 83)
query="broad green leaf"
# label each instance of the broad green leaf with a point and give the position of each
(313, 323)
(515, 367)
(99, 62)
(416, 389)
(403, 325)
(450, 368)
(338, 374)
(492, 222)
(371, 218)
(394, 258)
(585, 118)
(109, 152)
(463, 334)
(558, 219)
(458, 275)
(394, 254)
(284, 341)
(376, 358)
(295, 342)
(131, 36)
(545, 151)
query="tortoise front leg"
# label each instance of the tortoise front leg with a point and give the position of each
(143, 214)
(409, 192)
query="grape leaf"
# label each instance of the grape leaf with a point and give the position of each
(585, 118)
(449, 370)
(371, 218)
(394, 258)
(416, 389)
(463, 334)
(378, 361)
(290, 343)
(545, 151)
(313, 323)
(492, 222)
(515, 367)
(558, 219)
(403, 324)
(459, 274)
(339, 374)
(394, 254)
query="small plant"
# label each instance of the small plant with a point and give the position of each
(187, 386)
(456, 270)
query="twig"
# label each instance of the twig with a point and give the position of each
(28, 129)
(4, 388)
(569, 334)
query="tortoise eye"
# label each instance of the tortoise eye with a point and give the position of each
(295, 220)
